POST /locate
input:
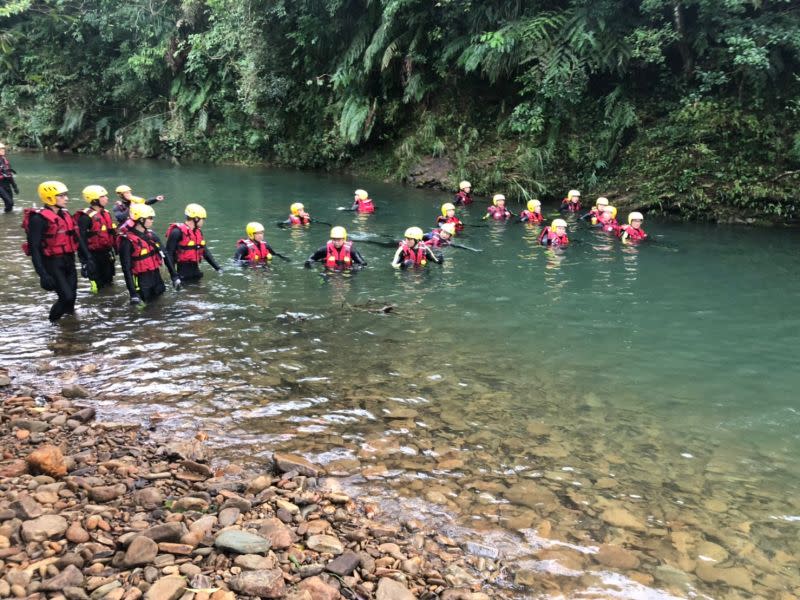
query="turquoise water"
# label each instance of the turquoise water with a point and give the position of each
(670, 369)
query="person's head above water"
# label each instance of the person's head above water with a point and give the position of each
(338, 236)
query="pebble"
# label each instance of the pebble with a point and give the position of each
(166, 588)
(47, 459)
(241, 542)
(77, 534)
(325, 543)
(267, 583)
(389, 589)
(44, 528)
(141, 551)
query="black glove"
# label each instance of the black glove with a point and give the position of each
(135, 300)
(307, 264)
(47, 282)
(176, 283)
(15, 186)
(89, 270)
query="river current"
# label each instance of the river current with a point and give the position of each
(544, 406)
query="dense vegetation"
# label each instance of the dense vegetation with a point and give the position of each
(688, 106)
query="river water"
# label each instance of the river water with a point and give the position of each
(540, 404)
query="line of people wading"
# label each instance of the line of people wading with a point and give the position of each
(54, 236)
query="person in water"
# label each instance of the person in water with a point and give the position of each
(532, 214)
(608, 220)
(8, 185)
(412, 252)
(593, 215)
(140, 257)
(253, 249)
(498, 210)
(126, 198)
(297, 215)
(572, 203)
(449, 216)
(442, 236)
(338, 254)
(98, 231)
(463, 196)
(186, 246)
(555, 234)
(52, 241)
(362, 203)
(633, 232)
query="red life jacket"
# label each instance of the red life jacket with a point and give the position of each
(635, 235)
(338, 258)
(5, 169)
(463, 197)
(301, 219)
(550, 237)
(123, 229)
(365, 206)
(146, 253)
(435, 241)
(610, 226)
(256, 251)
(101, 236)
(454, 220)
(192, 244)
(417, 254)
(498, 214)
(533, 217)
(570, 206)
(61, 235)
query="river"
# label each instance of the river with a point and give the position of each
(541, 404)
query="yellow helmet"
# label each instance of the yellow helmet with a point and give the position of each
(612, 210)
(121, 189)
(92, 193)
(194, 211)
(533, 205)
(414, 233)
(447, 206)
(637, 216)
(574, 193)
(137, 200)
(601, 201)
(361, 194)
(48, 190)
(338, 233)
(497, 197)
(558, 223)
(253, 228)
(296, 208)
(449, 228)
(141, 211)
(464, 184)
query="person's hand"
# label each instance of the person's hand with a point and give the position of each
(135, 300)
(220, 271)
(160, 198)
(307, 264)
(47, 282)
(15, 187)
(176, 283)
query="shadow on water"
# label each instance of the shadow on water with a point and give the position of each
(609, 420)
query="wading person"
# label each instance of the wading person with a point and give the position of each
(362, 203)
(412, 252)
(532, 214)
(555, 234)
(463, 196)
(443, 236)
(52, 241)
(98, 231)
(597, 210)
(633, 232)
(298, 215)
(140, 257)
(449, 216)
(572, 203)
(498, 210)
(186, 246)
(253, 250)
(125, 199)
(8, 186)
(338, 254)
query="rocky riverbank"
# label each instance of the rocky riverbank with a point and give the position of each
(100, 510)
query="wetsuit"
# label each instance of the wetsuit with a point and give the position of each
(462, 198)
(187, 270)
(56, 271)
(121, 209)
(7, 184)
(243, 253)
(147, 284)
(569, 206)
(321, 255)
(102, 252)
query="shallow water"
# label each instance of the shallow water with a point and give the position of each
(516, 396)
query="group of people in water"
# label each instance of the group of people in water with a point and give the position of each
(97, 235)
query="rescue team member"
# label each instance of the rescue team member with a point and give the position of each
(338, 254)
(186, 246)
(8, 186)
(98, 231)
(555, 234)
(633, 232)
(126, 197)
(449, 216)
(140, 257)
(572, 203)
(463, 197)
(52, 240)
(533, 213)
(597, 210)
(254, 249)
(498, 210)
(298, 215)
(440, 237)
(412, 252)
(608, 221)
(362, 202)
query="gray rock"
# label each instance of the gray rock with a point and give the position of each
(237, 502)
(105, 589)
(141, 551)
(107, 493)
(266, 583)
(71, 576)
(32, 426)
(241, 542)
(325, 543)
(149, 498)
(75, 593)
(291, 462)
(84, 415)
(344, 564)
(389, 589)
(5, 380)
(166, 588)
(44, 528)
(166, 532)
(27, 508)
(255, 562)
(228, 516)
(74, 391)
(189, 503)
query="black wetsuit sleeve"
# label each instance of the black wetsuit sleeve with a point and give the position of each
(355, 255)
(241, 252)
(167, 260)
(84, 226)
(210, 259)
(126, 262)
(322, 252)
(437, 258)
(151, 201)
(36, 229)
(270, 248)
(172, 244)
(119, 214)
